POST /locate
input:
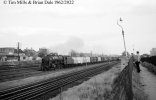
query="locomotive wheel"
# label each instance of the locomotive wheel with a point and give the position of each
(46, 68)
(54, 66)
(42, 68)
(60, 66)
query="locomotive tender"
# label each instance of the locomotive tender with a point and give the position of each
(55, 61)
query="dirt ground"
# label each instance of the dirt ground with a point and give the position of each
(137, 85)
(144, 85)
(148, 83)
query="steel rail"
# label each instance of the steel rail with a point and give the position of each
(37, 89)
(18, 73)
(41, 82)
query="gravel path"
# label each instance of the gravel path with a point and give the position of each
(148, 83)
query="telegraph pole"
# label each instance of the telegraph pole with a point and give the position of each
(18, 52)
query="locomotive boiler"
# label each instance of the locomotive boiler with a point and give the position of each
(52, 61)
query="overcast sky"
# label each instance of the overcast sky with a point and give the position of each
(86, 25)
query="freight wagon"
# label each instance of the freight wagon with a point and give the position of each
(54, 61)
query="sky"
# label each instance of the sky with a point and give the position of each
(85, 26)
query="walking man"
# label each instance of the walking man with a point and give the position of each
(137, 62)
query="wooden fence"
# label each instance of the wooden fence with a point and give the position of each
(122, 87)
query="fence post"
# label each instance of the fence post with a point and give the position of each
(130, 67)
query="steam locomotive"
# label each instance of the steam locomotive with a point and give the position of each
(55, 61)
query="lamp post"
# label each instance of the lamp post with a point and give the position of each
(122, 34)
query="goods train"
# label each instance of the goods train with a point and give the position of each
(54, 61)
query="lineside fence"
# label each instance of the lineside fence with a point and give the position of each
(122, 87)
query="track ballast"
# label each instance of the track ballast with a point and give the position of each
(35, 90)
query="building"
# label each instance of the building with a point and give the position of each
(7, 50)
(43, 50)
(11, 54)
(153, 52)
(30, 52)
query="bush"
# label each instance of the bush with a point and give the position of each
(150, 67)
(151, 60)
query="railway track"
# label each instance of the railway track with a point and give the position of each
(18, 72)
(10, 68)
(18, 75)
(35, 90)
(23, 72)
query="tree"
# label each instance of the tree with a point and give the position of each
(29, 52)
(42, 52)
